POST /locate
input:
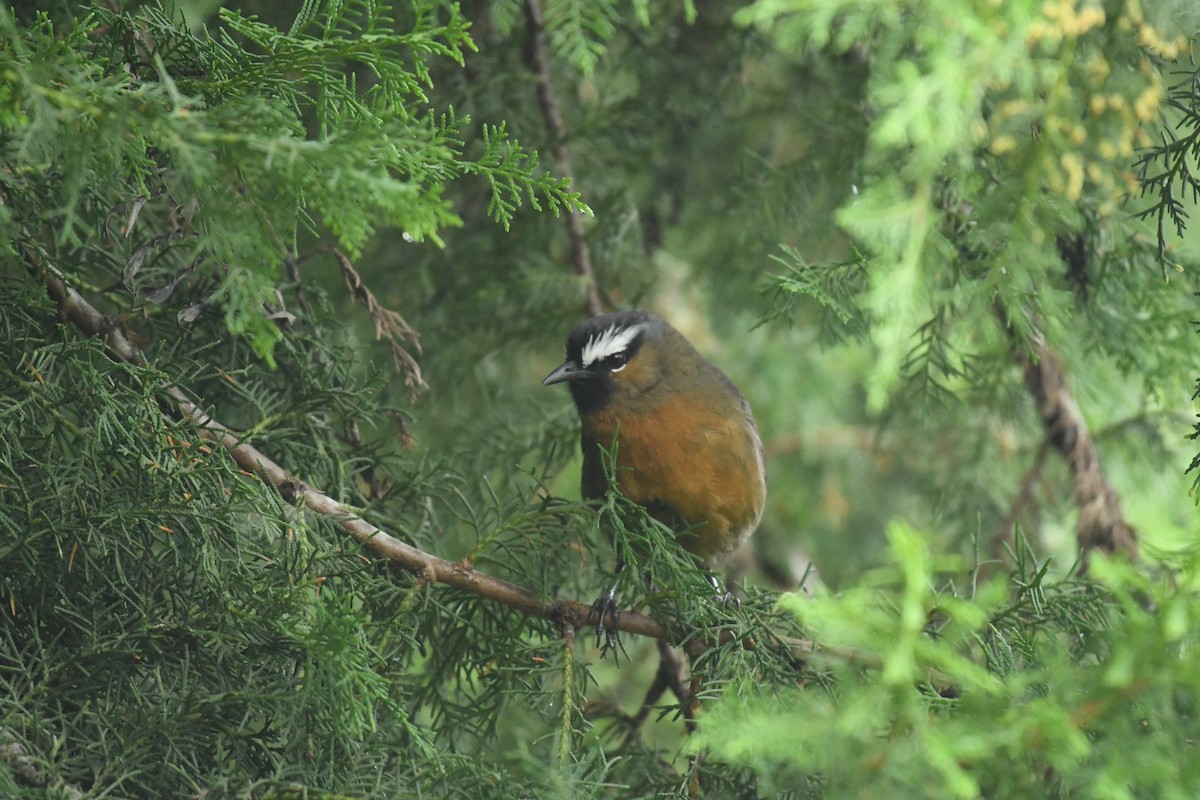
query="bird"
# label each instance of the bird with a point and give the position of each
(687, 446)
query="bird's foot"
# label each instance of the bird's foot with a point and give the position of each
(724, 597)
(606, 608)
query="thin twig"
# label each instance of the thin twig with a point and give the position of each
(1023, 499)
(539, 62)
(672, 674)
(388, 324)
(292, 262)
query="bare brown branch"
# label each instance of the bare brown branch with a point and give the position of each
(1102, 524)
(539, 62)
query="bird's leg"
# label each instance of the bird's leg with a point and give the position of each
(606, 607)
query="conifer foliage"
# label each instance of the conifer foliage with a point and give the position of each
(284, 514)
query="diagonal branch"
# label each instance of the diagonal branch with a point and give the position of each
(539, 62)
(85, 317)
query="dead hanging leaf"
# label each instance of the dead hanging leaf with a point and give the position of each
(160, 294)
(282, 315)
(133, 215)
(192, 313)
(388, 324)
(403, 434)
(138, 259)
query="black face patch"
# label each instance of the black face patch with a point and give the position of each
(602, 346)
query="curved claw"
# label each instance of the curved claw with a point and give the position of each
(727, 599)
(724, 597)
(605, 607)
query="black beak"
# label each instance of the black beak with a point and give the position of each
(569, 371)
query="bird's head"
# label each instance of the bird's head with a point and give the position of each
(613, 356)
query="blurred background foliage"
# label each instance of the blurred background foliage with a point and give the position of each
(834, 201)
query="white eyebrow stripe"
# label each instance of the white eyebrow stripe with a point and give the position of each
(608, 342)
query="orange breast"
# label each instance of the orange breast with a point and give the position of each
(686, 462)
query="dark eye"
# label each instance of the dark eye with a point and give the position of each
(616, 362)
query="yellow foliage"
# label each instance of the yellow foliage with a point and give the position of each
(1152, 40)
(1066, 19)
(1145, 107)
(1003, 144)
(1073, 166)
